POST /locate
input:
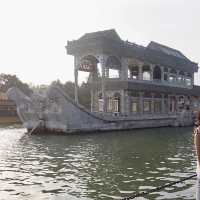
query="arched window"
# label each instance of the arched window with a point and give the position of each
(146, 72)
(157, 73)
(117, 102)
(133, 72)
(113, 65)
(88, 64)
(165, 74)
(180, 77)
(114, 103)
(172, 76)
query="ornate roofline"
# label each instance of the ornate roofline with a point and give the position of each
(109, 42)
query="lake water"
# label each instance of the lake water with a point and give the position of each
(96, 166)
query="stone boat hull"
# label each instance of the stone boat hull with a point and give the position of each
(56, 112)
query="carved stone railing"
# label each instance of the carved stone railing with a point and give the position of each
(154, 82)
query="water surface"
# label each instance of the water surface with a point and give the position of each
(96, 166)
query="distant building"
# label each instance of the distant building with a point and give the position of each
(8, 113)
(128, 79)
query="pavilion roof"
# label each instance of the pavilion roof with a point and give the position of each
(110, 41)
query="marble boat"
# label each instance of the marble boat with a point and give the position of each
(58, 113)
(152, 86)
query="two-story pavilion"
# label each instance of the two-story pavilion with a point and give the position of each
(128, 79)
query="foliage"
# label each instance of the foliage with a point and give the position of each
(7, 81)
(83, 91)
(84, 95)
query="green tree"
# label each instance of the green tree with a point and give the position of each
(83, 91)
(69, 88)
(7, 81)
(84, 95)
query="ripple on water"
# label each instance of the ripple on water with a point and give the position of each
(98, 166)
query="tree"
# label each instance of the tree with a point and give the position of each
(83, 91)
(69, 88)
(84, 95)
(7, 81)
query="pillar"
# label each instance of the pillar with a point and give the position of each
(140, 67)
(107, 72)
(163, 104)
(168, 74)
(124, 69)
(168, 103)
(103, 84)
(151, 72)
(162, 73)
(192, 102)
(76, 79)
(141, 102)
(177, 100)
(124, 102)
(152, 103)
(177, 76)
(92, 92)
(192, 80)
(185, 76)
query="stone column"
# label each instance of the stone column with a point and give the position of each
(152, 103)
(162, 73)
(177, 100)
(185, 76)
(168, 74)
(151, 72)
(163, 104)
(177, 76)
(92, 91)
(124, 102)
(107, 72)
(192, 101)
(103, 84)
(168, 103)
(140, 67)
(141, 102)
(127, 103)
(192, 80)
(76, 79)
(124, 69)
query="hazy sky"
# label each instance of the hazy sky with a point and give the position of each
(33, 33)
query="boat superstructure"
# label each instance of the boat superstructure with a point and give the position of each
(131, 87)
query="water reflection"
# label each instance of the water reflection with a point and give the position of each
(96, 166)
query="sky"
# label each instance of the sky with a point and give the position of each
(34, 33)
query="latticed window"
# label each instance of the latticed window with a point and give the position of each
(110, 104)
(135, 107)
(115, 105)
(157, 106)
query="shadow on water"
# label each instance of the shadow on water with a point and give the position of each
(97, 166)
